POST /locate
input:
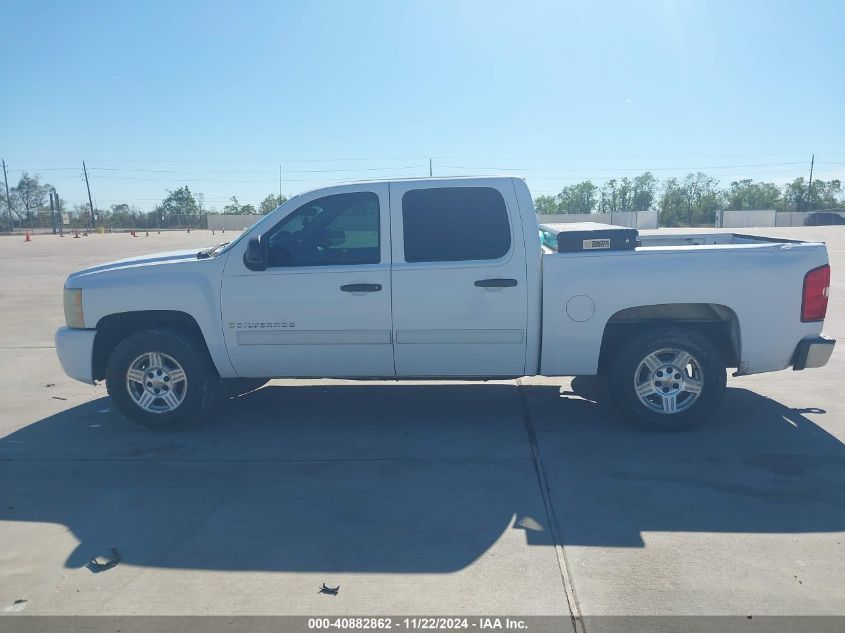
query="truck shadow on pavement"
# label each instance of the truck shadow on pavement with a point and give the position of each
(411, 478)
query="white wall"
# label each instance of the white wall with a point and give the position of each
(746, 219)
(790, 218)
(753, 218)
(641, 220)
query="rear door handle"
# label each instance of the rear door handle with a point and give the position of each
(361, 288)
(496, 283)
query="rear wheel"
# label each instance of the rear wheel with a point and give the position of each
(160, 380)
(668, 380)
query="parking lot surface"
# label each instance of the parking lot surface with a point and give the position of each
(529, 497)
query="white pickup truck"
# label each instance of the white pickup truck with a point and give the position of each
(443, 278)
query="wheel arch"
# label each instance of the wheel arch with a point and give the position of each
(716, 321)
(113, 328)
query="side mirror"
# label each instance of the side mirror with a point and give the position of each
(255, 257)
(336, 237)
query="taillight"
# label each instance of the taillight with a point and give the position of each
(816, 290)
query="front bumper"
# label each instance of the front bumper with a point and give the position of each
(75, 348)
(813, 351)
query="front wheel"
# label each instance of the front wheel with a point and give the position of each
(160, 380)
(668, 380)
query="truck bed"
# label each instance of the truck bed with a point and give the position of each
(652, 238)
(758, 279)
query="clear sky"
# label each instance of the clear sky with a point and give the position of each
(216, 95)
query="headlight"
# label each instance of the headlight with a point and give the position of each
(73, 308)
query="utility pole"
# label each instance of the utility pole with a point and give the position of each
(90, 202)
(280, 183)
(810, 186)
(429, 168)
(53, 210)
(59, 213)
(8, 199)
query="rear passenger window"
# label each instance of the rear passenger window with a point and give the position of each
(452, 224)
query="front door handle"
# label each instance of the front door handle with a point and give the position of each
(496, 283)
(361, 288)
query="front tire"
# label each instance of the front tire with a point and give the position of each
(668, 379)
(160, 380)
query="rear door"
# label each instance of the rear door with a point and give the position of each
(458, 278)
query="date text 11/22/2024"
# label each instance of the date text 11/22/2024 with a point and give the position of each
(481, 623)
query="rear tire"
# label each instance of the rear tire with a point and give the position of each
(668, 379)
(160, 380)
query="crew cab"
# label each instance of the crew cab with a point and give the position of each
(443, 278)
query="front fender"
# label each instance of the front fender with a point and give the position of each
(189, 286)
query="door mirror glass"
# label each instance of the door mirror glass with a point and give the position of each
(255, 257)
(337, 237)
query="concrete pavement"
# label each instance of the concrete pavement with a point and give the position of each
(414, 498)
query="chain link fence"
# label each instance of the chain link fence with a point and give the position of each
(45, 222)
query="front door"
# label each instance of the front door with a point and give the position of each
(459, 279)
(322, 306)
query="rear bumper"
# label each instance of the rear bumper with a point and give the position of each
(75, 348)
(813, 351)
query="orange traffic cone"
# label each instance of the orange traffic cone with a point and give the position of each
(28, 237)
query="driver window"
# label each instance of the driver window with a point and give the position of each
(333, 230)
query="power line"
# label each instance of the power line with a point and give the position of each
(615, 169)
(587, 177)
(214, 180)
(547, 173)
(252, 171)
(46, 169)
(245, 160)
(615, 155)
(421, 167)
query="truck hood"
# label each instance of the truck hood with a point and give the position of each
(134, 262)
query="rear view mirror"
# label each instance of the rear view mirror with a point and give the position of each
(255, 257)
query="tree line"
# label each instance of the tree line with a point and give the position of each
(689, 201)
(181, 207)
(692, 200)
(30, 208)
